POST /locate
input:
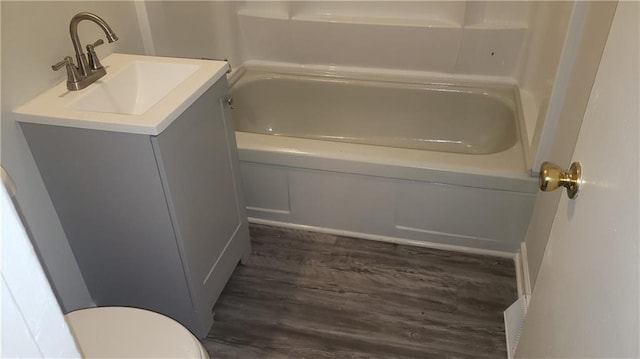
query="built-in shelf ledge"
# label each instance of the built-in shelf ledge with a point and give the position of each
(390, 21)
(497, 25)
(265, 14)
(281, 14)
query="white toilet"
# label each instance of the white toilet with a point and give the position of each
(123, 332)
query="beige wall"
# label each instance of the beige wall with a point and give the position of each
(35, 35)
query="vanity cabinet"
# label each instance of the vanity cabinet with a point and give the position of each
(156, 222)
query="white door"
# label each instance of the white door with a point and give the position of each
(586, 299)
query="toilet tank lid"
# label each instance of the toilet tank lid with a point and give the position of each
(131, 332)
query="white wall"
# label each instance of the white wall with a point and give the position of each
(34, 36)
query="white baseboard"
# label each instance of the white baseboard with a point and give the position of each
(523, 279)
(515, 314)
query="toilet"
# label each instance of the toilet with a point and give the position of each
(123, 332)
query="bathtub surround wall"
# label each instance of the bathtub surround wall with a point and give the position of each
(472, 38)
(445, 37)
(537, 68)
(34, 36)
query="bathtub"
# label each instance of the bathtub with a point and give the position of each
(395, 159)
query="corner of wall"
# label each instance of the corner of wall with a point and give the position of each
(145, 27)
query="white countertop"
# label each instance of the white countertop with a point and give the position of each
(54, 106)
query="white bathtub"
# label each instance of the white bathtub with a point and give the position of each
(390, 159)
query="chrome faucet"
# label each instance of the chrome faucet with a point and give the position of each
(88, 69)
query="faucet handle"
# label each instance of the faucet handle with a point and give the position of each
(93, 57)
(66, 61)
(73, 77)
(95, 44)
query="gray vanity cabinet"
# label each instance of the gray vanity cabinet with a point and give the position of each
(156, 222)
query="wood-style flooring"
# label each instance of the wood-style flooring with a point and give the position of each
(311, 295)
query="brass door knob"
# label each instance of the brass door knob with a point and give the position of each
(552, 177)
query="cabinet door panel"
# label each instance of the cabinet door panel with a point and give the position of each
(195, 160)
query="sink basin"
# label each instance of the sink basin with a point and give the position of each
(139, 94)
(137, 87)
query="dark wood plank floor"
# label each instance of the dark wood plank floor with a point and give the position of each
(310, 295)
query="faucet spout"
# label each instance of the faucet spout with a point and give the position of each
(81, 58)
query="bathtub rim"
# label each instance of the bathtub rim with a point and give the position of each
(503, 171)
